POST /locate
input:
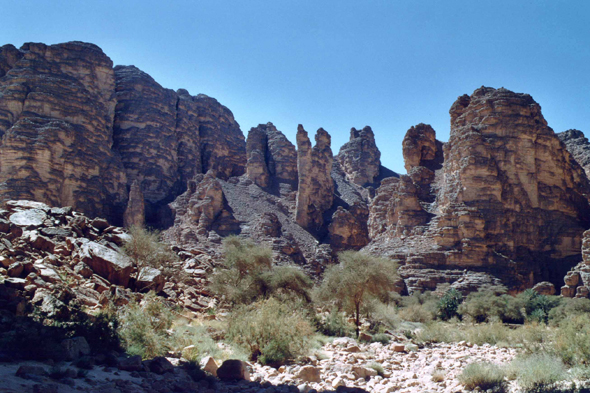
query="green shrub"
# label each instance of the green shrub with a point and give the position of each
(419, 307)
(386, 315)
(448, 304)
(537, 306)
(143, 327)
(381, 338)
(491, 304)
(249, 275)
(537, 372)
(572, 340)
(377, 367)
(569, 307)
(147, 251)
(273, 332)
(483, 375)
(335, 324)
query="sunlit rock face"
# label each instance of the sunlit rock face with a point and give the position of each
(360, 158)
(76, 131)
(57, 107)
(315, 192)
(509, 199)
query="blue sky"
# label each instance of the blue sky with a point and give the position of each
(336, 64)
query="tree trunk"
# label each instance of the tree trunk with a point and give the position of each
(358, 319)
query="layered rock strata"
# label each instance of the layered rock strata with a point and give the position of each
(272, 159)
(360, 158)
(57, 107)
(579, 147)
(77, 132)
(315, 191)
(510, 201)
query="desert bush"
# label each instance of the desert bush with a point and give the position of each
(147, 251)
(484, 375)
(492, 304)
(568, 308)
(377, 367)
(572, 340)
(142, 327)
(419, 307)
(355, 279)
(194, 342)
(381, 338)
(335, 324)
(248, 274)
(537, 307)
(537, 372)
(272, 331)
(438, 332)
(438, 375)
(386, 315)
(448, 304)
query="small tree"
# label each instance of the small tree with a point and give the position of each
(147, 252)
(448, 305)
(356, 278)
(249, 274)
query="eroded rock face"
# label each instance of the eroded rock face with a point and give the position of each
(135, 212)
(510, 199)
(421, 148)
(272, 159)
(77, 132)
(360, 157)
(56, 113)
(579, 147)
(165, 138)
(315, 192)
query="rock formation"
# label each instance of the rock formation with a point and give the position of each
(57, 107)
(578, 146)
(315, 192)
(272, 159)
(421, 148)
(510, 200)
(359, 158)
(135, 211)
(78, 132)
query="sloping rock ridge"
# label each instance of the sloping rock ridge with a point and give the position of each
(509, 201)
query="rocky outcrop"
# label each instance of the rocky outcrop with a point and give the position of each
(421, 148)
(577, 280)
(165, 138)
(57, 107)
(135, 211)
(360, 158)
(510, 201)
(348, 228)
(315, 192)
(77, 132)
(578, 146)
(272, 159)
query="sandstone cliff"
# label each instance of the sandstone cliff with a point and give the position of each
(510, 201)
(77, 132)
(578, 146)
(360, 157)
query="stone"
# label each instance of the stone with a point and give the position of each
(150, 279)
(233, 369)
(100, 223)
(544, 288)
(209, 365)
(27, 370)
(160, 365)
(28, 218)
(360, 158)
(348, 228)
(42, 243)
(132, 363)
(83, 269)
(107, 263)
(309, 374)
(75, 347)
(135, 211)
(509, 203)
(363, 372)
(315, 192)
(15, 269)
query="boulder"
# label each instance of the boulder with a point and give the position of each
(309, 374)
(544, 288)
(160, 365)
(150, 279)
(32, 218)
(233, 369)
(132, 363)
(209, 365)
(75, 347)
(113, 266)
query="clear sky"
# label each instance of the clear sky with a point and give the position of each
(336, 64)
